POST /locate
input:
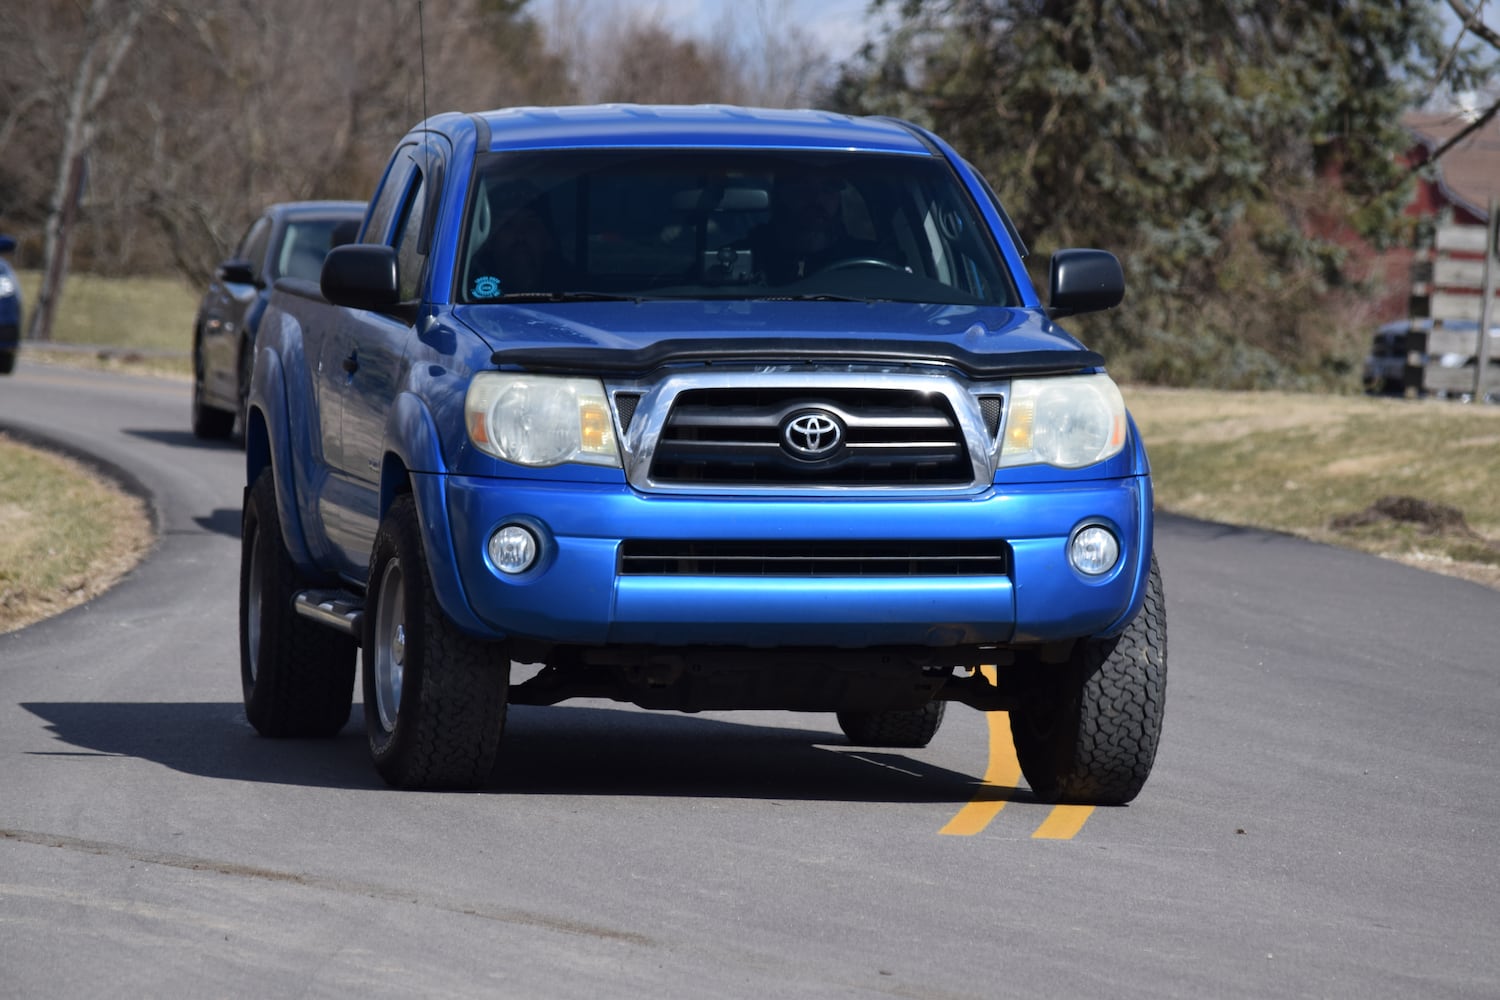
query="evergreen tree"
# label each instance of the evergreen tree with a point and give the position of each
(1218, 146)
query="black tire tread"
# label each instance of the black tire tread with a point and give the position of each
(900, 728)
(304, 682)
(1101, 740)
(448, 729)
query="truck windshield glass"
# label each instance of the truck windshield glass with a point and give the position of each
(726, 225)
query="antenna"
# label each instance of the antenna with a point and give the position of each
(429, 194)
(422, 54)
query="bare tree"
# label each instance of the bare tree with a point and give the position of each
(779, 64)
(109, 32)
(153, 131)
(755, 54)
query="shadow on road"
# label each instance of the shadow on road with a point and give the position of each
(560, 750)
(223, 521)
(180, 439)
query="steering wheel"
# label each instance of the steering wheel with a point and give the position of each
(848, 262)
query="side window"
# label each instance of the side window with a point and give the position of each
(409, 260)
(253, 246)
(391, 197)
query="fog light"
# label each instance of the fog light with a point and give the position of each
(1094, 550)
(513, 549)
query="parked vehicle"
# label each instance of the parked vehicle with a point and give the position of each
(287, 240)
(1397, 358)
(696, 408)
(1385, 365)
(10, 309)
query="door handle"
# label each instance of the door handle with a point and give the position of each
(351, 363)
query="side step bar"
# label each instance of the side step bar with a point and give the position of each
(337, 609)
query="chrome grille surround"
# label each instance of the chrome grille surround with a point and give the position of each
(905, 422)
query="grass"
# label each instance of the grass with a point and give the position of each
(135, 324)
(1315, 466)
(66, 535)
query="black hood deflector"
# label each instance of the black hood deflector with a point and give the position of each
(631, 362)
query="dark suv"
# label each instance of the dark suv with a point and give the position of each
(288, 239)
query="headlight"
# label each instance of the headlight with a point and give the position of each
(1068, 422)
(540, 421)
(7, 286)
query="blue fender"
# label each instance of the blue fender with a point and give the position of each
(270, 425)
(1145, 540)
(418, 457)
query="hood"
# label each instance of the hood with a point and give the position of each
(629, 338)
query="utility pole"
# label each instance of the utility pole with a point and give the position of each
(1487, 303)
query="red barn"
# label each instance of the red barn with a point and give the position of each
(1457, 189)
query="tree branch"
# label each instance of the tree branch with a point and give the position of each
(1462, 134)
(1473, 23)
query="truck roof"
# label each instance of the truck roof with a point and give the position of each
(698, 126)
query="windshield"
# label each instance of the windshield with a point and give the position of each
(733, 224)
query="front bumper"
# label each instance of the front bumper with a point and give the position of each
(576, 593)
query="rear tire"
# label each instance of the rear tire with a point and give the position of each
(434, 696)
(1086, 731)
(7, 362)
(908, 728)
(297, 675)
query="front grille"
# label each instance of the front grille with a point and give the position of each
(733, 437)
(625, 403)
(758, 558)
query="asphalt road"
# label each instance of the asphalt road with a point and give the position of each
(1322, 821)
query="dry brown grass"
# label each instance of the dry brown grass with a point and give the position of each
(66, 534)
(1308, 465)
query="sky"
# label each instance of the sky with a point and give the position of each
(839, 26)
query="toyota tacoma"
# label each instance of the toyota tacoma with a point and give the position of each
(696, 408)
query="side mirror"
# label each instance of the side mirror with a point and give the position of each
(361, 276)
(1084, 281)
(237, 272)
(7, 244)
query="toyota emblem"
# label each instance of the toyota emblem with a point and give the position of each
(812, 435)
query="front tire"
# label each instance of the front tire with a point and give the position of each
(297, 675)
(434, 696)
(246, 372)
(209, 423)
(1086, 731)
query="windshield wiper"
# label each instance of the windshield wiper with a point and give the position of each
(569, 297)
(818, 297)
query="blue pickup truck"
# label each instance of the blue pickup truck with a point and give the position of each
(696, 408)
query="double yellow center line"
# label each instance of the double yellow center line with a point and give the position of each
(1001, 777)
